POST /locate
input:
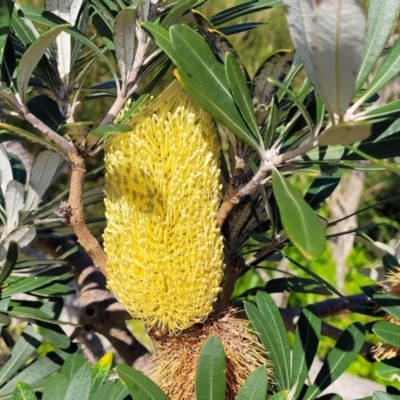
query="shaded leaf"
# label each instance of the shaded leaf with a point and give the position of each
(14, 201)
(338, 359)
(10, 261)
(389, 369)
(388, 302)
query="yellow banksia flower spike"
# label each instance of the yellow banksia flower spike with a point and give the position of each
(164, 250)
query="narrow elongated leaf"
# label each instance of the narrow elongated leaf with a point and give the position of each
(308, 332)
(23, 391)
(389, 369)
(101, 370)
(283, 395)
(299, 15)
(35, 314)
(388, 332)
(388, 302)
(381, 17)
(110, 390)
(255, 386)
(47, 18)
(26, 344)
(346, 133)
(110, 129)
(55, 388)
(338, 38)
(216, 109)
(211, 374)
(272, 344)
(22, 235)
(386, 72)
(67, 10)
(31, 137)
(299, 220)
(202, 76)
(39, 369)
(124, 39)
(180, 8)
(139, 385)
(53, 334)
(25, 284)
(383, 396)
(295, 285)
(72, 365)
(276, 66)
(241, 94)
(14, 200)
(10, 261)
(42, 173)
(80, 384)
(33, 54)
(6, 174)
(6, 9)
(338, 359)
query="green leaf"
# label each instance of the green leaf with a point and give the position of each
(243, 8)
(80, 384)
(6, 9)
(72, 365)
(308, 332)
(388, 302)
(101, 370)
(38, 370)
(14, 199)
(202, 76)
(241, 94)
(386, 72)
(6, 174)
(25, 346)
(382, 15)
(383, 396)
(24, 285)
(346, 133)
(53, 334)
(31, 137)
(43, 171)
(35, 314)
(299, 220)
(55, 388)
(283, 395)
(388, 332)
(293, 284)
(389, 369)
(255, 386)
(107, 130)
(337, 44)
(111, 391)
(211, 373)
(124, 40)
(273, 344)
(197, 63)
(139, 385)
(23, 391)
(180, 8)
(37, 14)
(339, 358)
(33, 54)
(10, 261)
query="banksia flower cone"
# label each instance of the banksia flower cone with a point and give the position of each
(163, 247)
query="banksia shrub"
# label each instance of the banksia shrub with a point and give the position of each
(162, 189)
